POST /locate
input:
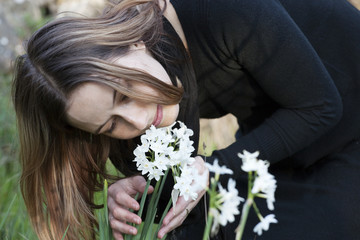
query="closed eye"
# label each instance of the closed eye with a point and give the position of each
(112, 126)
(123, 98)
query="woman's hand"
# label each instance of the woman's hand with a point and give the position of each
(120, 200)
(175, 217)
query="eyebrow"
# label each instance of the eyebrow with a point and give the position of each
(102, 125)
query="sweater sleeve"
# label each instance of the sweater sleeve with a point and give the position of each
(270, 46)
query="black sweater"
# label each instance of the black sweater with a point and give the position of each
(286, 69)
(289, 70)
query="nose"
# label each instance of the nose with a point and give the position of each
(135, 114)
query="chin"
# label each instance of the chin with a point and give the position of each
(170, 116)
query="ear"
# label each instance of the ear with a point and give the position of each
(162, 3)
(138, 46)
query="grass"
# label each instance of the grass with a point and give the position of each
(14, 223)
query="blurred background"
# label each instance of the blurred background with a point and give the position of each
(18, 19)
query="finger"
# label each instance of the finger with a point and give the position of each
(124, 200)
(139, 183)
(177, 221)
(125, 215)
(180, 206)
(117, 235)
(128, 187)
(122, 213)
(199, 163)
(121, 227)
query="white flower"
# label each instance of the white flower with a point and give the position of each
(201, 181)
(248, 156)
(231, 201)
(262, 167)
(228, 206)
(145, 166)
(159, 147)
(264, 224)
(215, 168)
(161, 162)
(270, 199)
(156, 173)
(151, 134)
(215, 226)
(182, 156)
(186, 184)
(174, 197)
(250, 163)
(183, 132)
(162, 148)
(264, 183)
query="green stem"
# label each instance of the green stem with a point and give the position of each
(152, 205)
(245, 212)
(108, 231)
(208, 227)
(164, 214)
(142, 202)
(126, 236)
(244, 216)
(257, 211)
(163, 179)
(213, 196)
(132, 210)
(143, 198)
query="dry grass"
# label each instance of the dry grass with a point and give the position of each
(217, 133)
(356, 3)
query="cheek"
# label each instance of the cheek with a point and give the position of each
(172, 112)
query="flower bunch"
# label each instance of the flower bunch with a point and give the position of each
(260, 184)
(161, 150)
(223, 203)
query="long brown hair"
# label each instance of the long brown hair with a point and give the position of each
(61, 166)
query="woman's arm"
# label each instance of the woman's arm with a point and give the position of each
(273, 50)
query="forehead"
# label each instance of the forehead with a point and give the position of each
(88, 91)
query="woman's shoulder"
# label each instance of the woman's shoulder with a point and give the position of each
(198, 13)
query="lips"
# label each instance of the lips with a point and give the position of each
(158, 116)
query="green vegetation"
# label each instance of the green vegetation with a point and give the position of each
(14, 222)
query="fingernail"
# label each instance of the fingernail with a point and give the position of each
(137, 220)
(133, 231)
(134, 206)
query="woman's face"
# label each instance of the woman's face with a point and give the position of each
(99, 109)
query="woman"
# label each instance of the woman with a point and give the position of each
(288, 70)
